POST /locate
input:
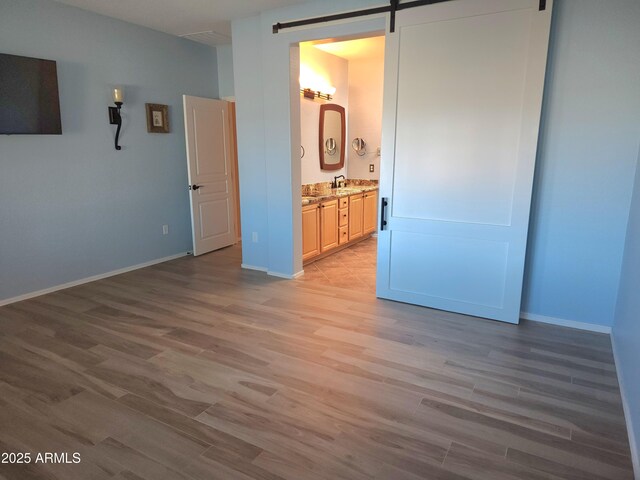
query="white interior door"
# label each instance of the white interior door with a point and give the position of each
(209, 166)
(462, 101)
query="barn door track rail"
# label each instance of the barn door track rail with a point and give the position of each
(393, 7)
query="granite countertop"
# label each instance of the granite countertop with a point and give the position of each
(330, 194)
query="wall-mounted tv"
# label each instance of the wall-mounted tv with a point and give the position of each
(29, 102)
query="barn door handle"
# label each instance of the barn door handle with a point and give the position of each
(383, 214)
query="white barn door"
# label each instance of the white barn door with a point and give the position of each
(462, 101)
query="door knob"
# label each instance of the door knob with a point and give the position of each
(195, 187)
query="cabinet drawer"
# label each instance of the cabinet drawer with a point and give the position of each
(343, 235)
(343, 202)
(343, 217)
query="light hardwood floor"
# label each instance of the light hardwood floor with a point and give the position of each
(196, 369)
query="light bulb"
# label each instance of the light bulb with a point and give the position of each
(118, 95)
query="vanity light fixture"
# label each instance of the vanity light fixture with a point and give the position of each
(311, 94)
(314, 85)
(114, 113)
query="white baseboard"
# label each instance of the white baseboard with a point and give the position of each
(285, 275)
(565, 323)
(272, 273)
(253, 267)
(93, 278)
(635, 459)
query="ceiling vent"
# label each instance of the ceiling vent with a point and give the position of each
(208, 38)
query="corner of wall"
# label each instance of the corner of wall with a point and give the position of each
(625, 338)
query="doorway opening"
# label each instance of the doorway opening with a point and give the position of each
(341, 92)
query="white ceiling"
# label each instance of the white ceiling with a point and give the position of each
(358, 49)
(209, 19)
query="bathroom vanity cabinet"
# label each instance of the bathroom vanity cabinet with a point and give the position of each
(337, 222)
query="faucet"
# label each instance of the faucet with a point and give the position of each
(335, 181)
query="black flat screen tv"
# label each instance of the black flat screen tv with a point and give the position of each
(29, 101)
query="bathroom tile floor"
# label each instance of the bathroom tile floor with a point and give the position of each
(353, 268)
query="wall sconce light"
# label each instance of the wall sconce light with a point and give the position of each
(114, 113)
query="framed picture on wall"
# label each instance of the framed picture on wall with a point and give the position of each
(157, 118)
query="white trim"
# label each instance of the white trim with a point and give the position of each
(285, 275)
(592, 327)
(253, 267)
(635, 459)
(93, 278)
(272, 273)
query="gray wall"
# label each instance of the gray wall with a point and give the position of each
(586, 161)
(71, 206)
(225, 71)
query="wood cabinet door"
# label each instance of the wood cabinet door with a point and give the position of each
(370, 212)
(310, 231)
(328, 225)
(356, 203)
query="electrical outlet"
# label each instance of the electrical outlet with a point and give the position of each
(254, 237)
(165, 229)
(371, 168)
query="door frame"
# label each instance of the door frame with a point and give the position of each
(373, 26)
(233, 148)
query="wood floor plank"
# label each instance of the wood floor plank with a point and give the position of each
(196, 369)
(480, 466)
